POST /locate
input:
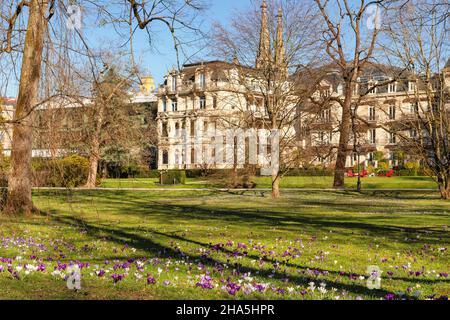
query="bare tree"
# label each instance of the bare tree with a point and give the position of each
(175, 15)
(350, 46)
(19, 185)
(263, 94)
(110, 118)
(419, 41)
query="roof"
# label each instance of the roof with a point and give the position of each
(8, 101)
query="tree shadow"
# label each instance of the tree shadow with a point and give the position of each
(122, 236)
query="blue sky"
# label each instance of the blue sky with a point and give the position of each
(157, 61)
(160, 61)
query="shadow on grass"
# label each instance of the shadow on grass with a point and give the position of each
(123, 236)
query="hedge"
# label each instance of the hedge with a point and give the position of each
(173, 177)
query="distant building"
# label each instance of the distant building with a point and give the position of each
(7, 107)
(207, 97)
(59, 124)
(201, 95)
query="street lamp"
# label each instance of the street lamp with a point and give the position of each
(358, 151)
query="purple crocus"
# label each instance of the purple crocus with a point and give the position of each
(233, 288)
(117, 277)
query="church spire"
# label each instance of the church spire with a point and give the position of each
(264, 52)
(280, 53)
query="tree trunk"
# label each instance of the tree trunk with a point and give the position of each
(94, 157)
(276, 187)
(444, 187)
(93, 166)
(19, 184)
(339, 174)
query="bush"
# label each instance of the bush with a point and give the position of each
(413, 168)
(69, 172)
(130, 171)
(194, 173)
(173, 177)
(383, 166)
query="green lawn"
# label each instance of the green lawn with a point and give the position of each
(212, 245)
(287, 182)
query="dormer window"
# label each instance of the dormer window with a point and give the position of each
(412, 86)
(392, 87)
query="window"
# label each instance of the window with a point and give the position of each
(392, 112)
(202, 80)
(215, 102)
(164, 105)
(373, 88)
(412, 86)
(174, 105)
(203, 102)
(165, 158)
(373, 136)
(392, 87)
(192, 128)
(372, 114)
(414, 107)
(325, 115)
(392, 138)
(192, 155)
(413, 133)
(174, 83)
(165, 133)
(371, 157)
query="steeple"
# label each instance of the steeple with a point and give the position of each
(280, 53)
(264, 52)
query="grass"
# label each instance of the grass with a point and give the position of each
(287, 182)
(281, 245)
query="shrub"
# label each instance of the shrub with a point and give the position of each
(173, 177)
(194, 173)
(68, 172)
(311, 171)
(383, 166)
(413, 168)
